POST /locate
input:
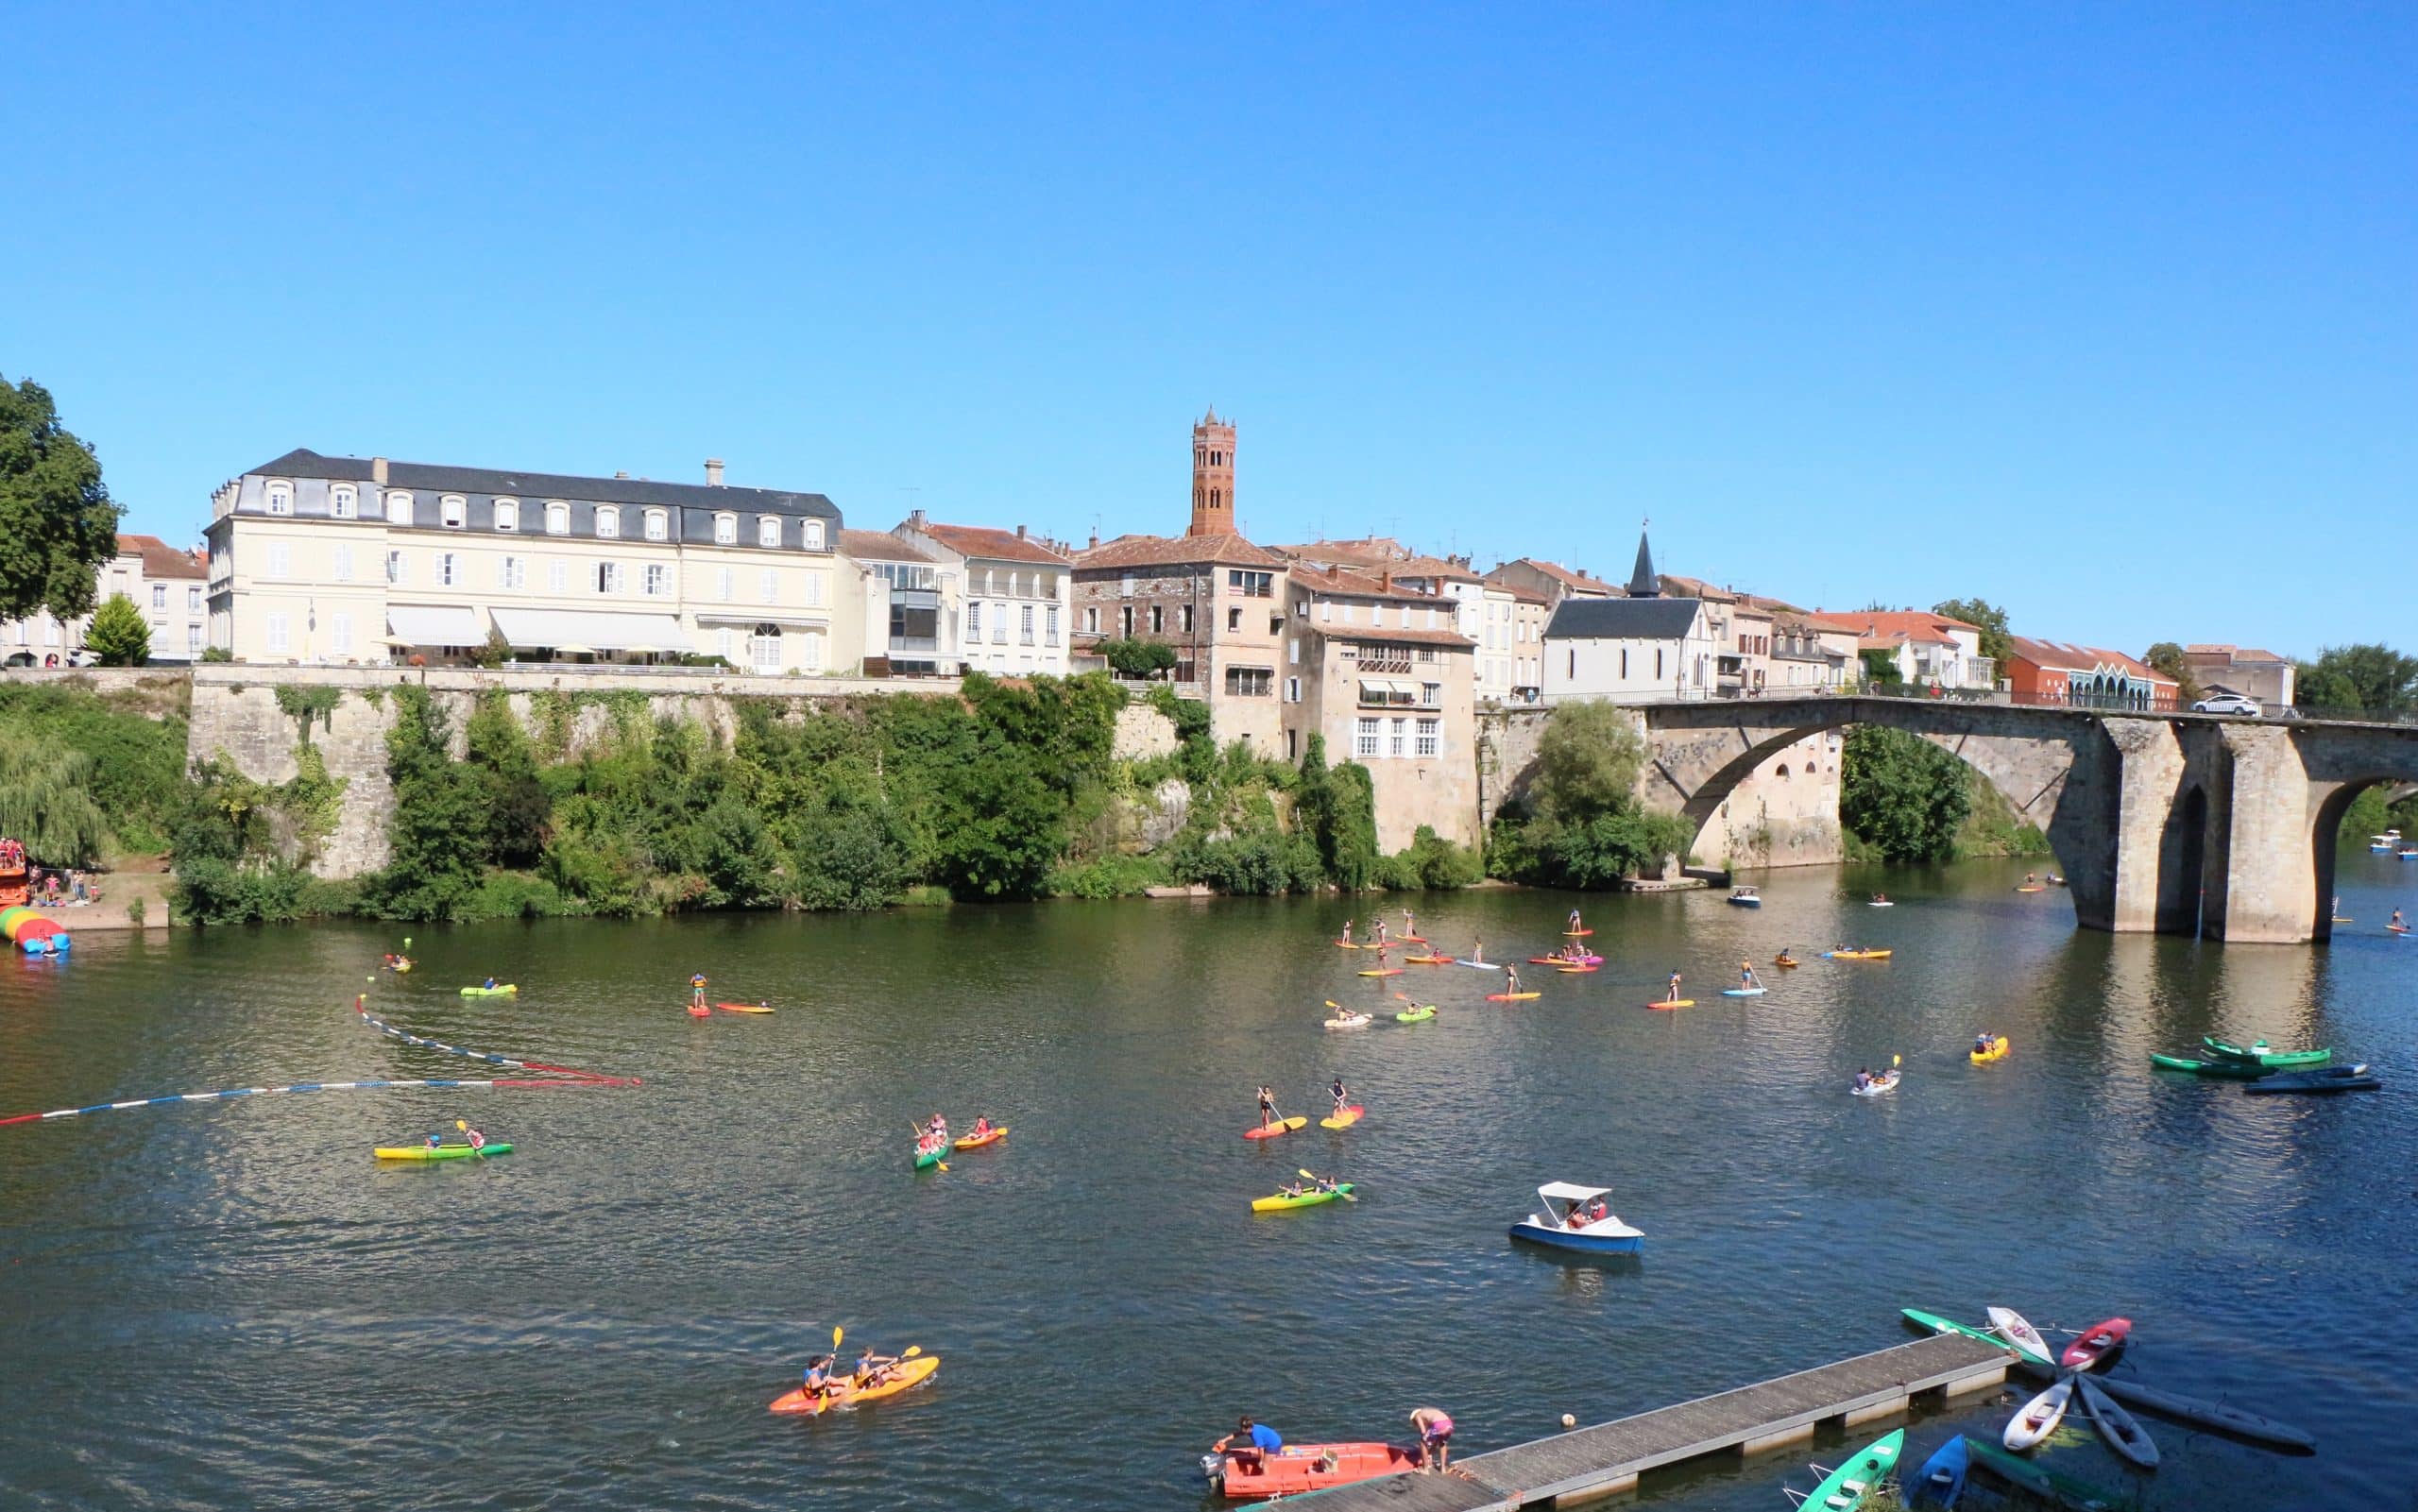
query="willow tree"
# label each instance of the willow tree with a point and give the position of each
(46, 801)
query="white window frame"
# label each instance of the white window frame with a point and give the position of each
(512, 572)
(659, 525)
(1364, 738)
(399, 508)
(1052, 630)
(273, 632)
(453, 511)
(1431, 737)
(558, 576)
(280, 497)
(344, 502)
(398, 568)
(449, 570)
(610, 578)
(813, 659)
(160, 597)
(507, 515)
(557, 518)
(193, 638)
(1398, 738)
(655, 580)
(725, 529)
(281, 561)
(608, 523)
(768, 586)
(343, 574)
(973, 622)
(813, 588)
(1024, 627)
(193, 591)
(725, 584)
(726, 645)
(763, 650)
(809, 537)
(340, 635)
(768, 529)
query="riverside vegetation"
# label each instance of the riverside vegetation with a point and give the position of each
(1010, 792)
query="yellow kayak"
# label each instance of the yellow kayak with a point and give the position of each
(1997, 1052)
(906, 1374)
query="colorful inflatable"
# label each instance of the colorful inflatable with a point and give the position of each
(33, 932)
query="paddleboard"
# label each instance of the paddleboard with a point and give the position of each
(1742, 992)
(743, 1008)
(1345, 1120)
(1677, 1002)
(694, 1012)
(1283, 1125)
(1579, 934)
(1382, 971)
(1575, 971)
(1511, 997)
(1480, 965)
(1412, 940)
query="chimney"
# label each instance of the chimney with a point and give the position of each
(915, 520)
(1331, 572)
(713, 472)
(1019, 533)
(1095, 545)
(1386, 580)
(378, 471)
(622, 475)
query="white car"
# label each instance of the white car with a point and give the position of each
(2225, 704)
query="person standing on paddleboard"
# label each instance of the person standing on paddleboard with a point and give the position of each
(1342, 1097)
(1574, 924)
(1746, 974)
(1347, 932)
(1267, 1107)
(1377, 928)
(1511, 979)
(1410, 925)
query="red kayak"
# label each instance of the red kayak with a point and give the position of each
(2097, 1343)
(1299, 1467)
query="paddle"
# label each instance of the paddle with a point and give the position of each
(1313, 1177)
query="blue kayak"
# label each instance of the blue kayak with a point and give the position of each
(1941, 1479)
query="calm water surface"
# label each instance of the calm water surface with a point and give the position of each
(232, 1305)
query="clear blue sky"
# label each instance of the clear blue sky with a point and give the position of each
(2108, 314)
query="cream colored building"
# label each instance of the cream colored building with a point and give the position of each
(1382, 672)
(1014, 614)
(317, 560)
(166, 584)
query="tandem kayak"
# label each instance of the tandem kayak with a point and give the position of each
(926, 1158)
(1299, 1467)
(1345, 1120)
(2259, 1053)
(1845, 1488)
(440, 1152)
(1282, 1126)
(978, 1141)
(907, 1373)
(505, 991)
(1415, 1015)
(1996, 1052)
(1284, 1200)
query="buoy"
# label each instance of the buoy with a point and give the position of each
(1568, 1421)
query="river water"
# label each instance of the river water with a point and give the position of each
(232, 1305)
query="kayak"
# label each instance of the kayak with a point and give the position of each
(908, 1373)
(2210, 1415)
(2012, 1325)
(1299, 1467)
(743, 1008)
(1996, 1052)
(978, 1141)
(2121, 1431)
(2325, 1078)
(1941, 1479)
(2039, 1416)
(1345, 1120)
(1885, 1082)
(1857, 955)
(1844, 1488)
(2263, 1056)
(1949, 1325)
(1281, 1200)
(1742, 992)
(1786, 960)
(1878, 904)
(2097, 1342)
(1576, 970)
(1415, 1015)
(1676, 1002)
(1511, 997)
(2053, 1487)
(1429, 960)
(440, 1152)
(1588, 959)
(1348, 1021)
(926, 1158)
(1383, 970)
(2239, 1070)
(1282, 1126)
(505, 991)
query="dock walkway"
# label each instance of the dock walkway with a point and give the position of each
(1587, 1463)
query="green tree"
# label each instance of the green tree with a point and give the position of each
(2165, 657)
(1881, 669)
(46, 800)
(119, 636)
(58, 523)
(1903, 795)
(438, 839)
(1587, 759)
(1985, 617)
(1138, 658)
(2367, 678)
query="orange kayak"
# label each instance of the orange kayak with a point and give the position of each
(978, 1141)
(743, 1008)
(907, 1373)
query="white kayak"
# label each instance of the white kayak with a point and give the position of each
(2039, 1416)
(2012, 1327)
(1348, 1021)
(1886, 1081)
(2119, 1428)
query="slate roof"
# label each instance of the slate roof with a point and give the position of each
(161, 560)
(1622, 618)
(998, 545)
(445, 478)
(879, 546)
(1176, 551)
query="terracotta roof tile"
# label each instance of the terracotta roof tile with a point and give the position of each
(1176, 551)
(161, 560)
(1361, 586)
(2067, 656)
(1000, 545)
(1561, 574)
(1452, 638)
(1893, 626)
(880, 546)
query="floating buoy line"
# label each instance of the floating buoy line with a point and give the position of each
(546, 1076)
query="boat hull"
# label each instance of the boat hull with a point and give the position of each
(1530, 1232)
(1299, 1467)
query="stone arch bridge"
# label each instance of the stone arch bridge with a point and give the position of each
(2173, 822)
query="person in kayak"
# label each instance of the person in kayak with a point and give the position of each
(1435, 1431)
(1981, 1043)
(1342, 1097)
(817, 1381)
(489, 984)
(1256, 1439)
(477, 1141)
(982, 1126)
(939, 1127)
(435, 1140)
(1267, 1107)
(1863, 1077)
(873, 1369)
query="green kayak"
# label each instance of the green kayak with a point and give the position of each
(505, 991)
(926, 1158)
(2237, 1070)
(1949, 1325)
(1415, 1015)
(2051, 1485)
(1308, 1199)
(439, 1152)
(1845, 1488)
(2259, 1055)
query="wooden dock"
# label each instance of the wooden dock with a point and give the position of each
(1586, 1462)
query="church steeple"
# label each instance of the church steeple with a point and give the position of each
(1643, 583)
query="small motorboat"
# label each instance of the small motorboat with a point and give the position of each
(1298, 1468)
(1607, 1235)
(2097, 1343)
(1879, 902)
(2380, 843)
(1745, 897)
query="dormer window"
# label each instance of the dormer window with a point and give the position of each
(659, 525)
(557, 518)
(398, 509)
(507, 513)
(280, 497)
(811, 535)
(452, 509)
(725, 531)
(768, 529)
(344, 502)
(608, 522)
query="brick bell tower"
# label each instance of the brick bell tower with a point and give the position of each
(1213, 476)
